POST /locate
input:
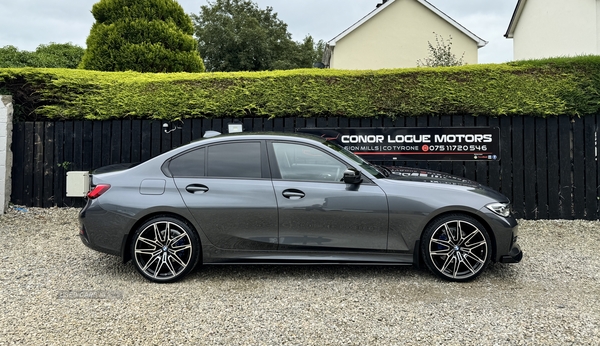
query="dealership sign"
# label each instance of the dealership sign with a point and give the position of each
(416, 143)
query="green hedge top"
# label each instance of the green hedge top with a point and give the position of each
(545, 87)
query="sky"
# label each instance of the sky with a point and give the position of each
(28, 23)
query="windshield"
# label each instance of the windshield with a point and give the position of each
(367, 166)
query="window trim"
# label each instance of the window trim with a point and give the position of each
(276, 173)
(166, 166)
(264, 164)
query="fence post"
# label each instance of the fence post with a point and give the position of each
(6, 159)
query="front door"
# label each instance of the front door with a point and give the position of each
(317, 210)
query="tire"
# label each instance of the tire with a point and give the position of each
(165, 249)
(456, 247)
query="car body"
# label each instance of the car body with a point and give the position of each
(288, 198)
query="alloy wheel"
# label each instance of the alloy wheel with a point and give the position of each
(458, 249)
(163, 250)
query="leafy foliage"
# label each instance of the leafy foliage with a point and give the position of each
(59, 55)
(441, 54)
(11, 56)
(568, 86)
(236, 35)
(143, 36)
(300, 55)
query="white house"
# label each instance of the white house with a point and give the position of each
(551, 28)
(396, 34)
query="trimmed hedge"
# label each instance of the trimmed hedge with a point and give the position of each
(568, 86)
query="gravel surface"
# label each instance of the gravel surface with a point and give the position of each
(54, 291)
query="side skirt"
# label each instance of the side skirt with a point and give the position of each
(303, 258)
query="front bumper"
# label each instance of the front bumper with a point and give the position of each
(515, 255)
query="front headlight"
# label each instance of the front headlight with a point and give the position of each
(502, 209)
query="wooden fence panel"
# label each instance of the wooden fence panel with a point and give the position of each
(59, 162)
(28, 165)
(78, 135)
(48, 167)
(566, 168)
(458, 167)
(482, 168)
(529, 168)
(518, 168)
(506, 157)
(554, 191)
(38, 164)
(541, 168)
(548, 167)
(591, 167)
(88, 144)
(126, 141)
(578, 171)
(19, 159)
(96, 144)
(446, 121)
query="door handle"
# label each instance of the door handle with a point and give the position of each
(196, 188)
(293, 194)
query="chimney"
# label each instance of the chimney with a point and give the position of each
(383, 2)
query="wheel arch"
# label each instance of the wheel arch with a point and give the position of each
(477, 217)
(126, 254)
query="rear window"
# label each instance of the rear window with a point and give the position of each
(190, 164)
(234, 160)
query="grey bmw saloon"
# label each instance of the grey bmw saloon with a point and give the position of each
(292, 199)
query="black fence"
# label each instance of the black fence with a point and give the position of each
(548, 167)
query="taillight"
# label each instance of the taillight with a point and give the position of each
(98, 191)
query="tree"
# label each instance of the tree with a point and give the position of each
(236, 35)
(11, 56)
(143, 36)
(319, 51)
(441, 54)
(300, 55)
(63, 55)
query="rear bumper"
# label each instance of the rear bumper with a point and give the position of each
(101, 230)
(515, 255)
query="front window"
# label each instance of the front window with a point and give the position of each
(367, 166)
(302, 162)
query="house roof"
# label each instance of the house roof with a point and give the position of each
(510, 32)
(479, 40)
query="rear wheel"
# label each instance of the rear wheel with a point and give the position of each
(165, 249)
(456, 247)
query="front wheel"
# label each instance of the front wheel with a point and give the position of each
(165, 249)
(456, 247)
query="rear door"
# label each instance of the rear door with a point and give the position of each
(228, 190)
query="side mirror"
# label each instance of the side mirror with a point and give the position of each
(352, 176)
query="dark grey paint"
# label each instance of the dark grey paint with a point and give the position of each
(332, 216)
(233, 213)
(250, 220)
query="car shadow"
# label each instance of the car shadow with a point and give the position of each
(494, 271)
(114, 267)
(283, 271)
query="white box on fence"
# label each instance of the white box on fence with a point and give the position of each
(78, 183)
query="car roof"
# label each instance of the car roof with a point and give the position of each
(223, 138)
(261, 135)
